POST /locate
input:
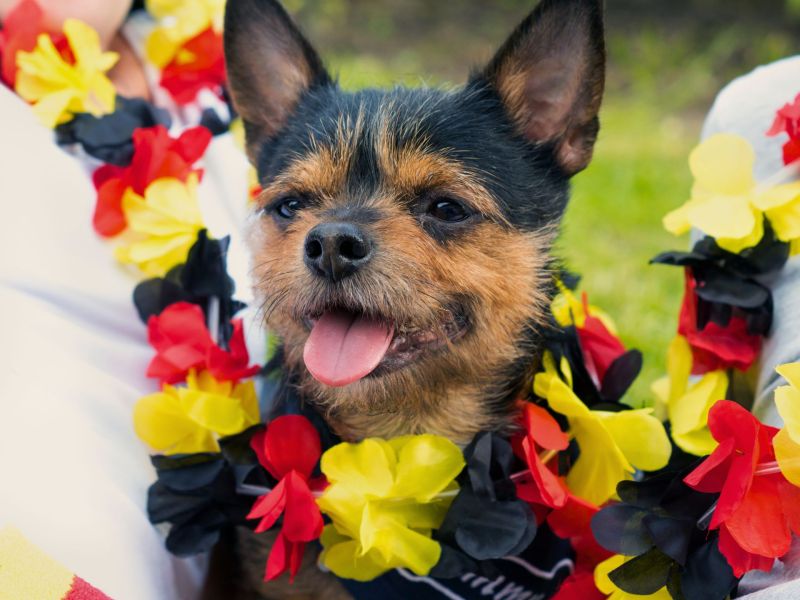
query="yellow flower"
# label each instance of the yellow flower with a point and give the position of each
(383, 503)
(727, 204)
(59, 89)
(787, 441)
(164, 225)
(688, 405)
(183, 420)
(612, 444)
(606, 586)
(569, 310)
(182, 20)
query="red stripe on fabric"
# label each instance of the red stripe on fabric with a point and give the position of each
(80, 590)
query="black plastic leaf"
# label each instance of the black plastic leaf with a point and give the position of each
(196, 495)
(152, 296)
(109, 138)
(643, 575)
(489, 461)
(488, 530)
(619, 529)
(620, 375)
(672, 535)
(204, 276)
(707, 575)
(486, 520)
(722, 288)
(211, 120)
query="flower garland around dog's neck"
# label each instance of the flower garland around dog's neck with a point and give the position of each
(682, 511)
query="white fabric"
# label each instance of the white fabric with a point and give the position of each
(72, 363)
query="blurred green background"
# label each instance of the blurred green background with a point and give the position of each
(667, 60)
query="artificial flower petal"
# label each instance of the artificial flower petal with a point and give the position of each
(606, 586)
(787, 399)
(386, 517)
(688, 403)
(167, 220)
(197, 495)
(289, 449)
(426, 465)
(640, 437)
(183, 342)
(188, 419)
(787, 453)
(723, 164)
(602, 462)
(343, 557)
(290, 443)
(21, 28)
(181, 21)
(722, 198)
(787, 120)
(199, 65)
(715, 346)
(59, 89)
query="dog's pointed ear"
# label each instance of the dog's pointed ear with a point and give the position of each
(270, 66)
(550, 75)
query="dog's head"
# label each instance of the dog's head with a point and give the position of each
(401, 242)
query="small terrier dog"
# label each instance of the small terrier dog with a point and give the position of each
(402, 239)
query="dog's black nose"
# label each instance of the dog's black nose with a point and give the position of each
(336, 250)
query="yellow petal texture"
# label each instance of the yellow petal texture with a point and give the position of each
(787, 400)
(383, 500)
(163, 224)
(59, 89)
(731, 220)
(607, 587)
(787, 442)
(612, 445)
(183, 420)
(181, 20)
(781, 204)
(568, 310)
(723, 164)
(688, 403)
(722, 204)
(787, 453)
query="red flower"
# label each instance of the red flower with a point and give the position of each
(205, 70)
(155, 155)
(182, 342)
(20, 31)
(579, 586)
(541, 432)
(289, 449)
(755, 513)
(715, 347)
(573, 522)
(787, 120)
(21, 27)
(600, 347)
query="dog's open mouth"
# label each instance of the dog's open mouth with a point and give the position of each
(344, 346)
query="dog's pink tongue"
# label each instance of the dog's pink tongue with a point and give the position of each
(343, 347)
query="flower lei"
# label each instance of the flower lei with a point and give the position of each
(682, 511)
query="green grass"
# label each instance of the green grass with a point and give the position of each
(612, 227)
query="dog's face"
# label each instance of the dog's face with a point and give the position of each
(401, 243)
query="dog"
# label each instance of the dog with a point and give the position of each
(402, 241)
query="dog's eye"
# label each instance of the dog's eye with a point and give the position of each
(448, 211)
(287, 208)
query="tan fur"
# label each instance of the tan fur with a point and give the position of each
(412, 279)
